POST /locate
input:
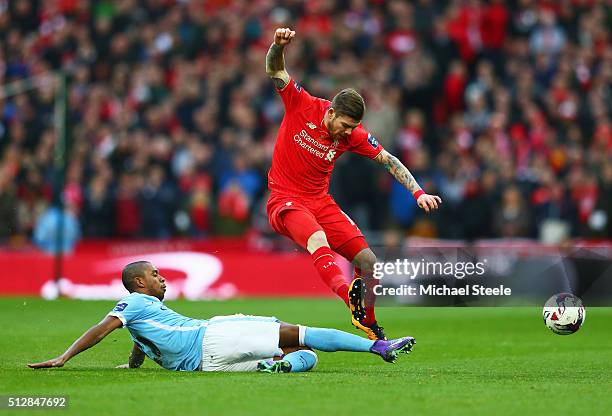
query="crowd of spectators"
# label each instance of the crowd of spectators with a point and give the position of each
(501, 108)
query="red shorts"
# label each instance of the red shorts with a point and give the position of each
(342, 233)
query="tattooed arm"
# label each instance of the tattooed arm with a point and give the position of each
(275, 61)
(403, 176)
(398, 170)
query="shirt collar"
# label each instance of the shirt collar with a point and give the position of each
(153, 298)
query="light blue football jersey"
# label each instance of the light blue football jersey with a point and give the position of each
(170, 339)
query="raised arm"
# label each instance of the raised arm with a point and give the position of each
(275, 61)
(90, 338)
(403, 175)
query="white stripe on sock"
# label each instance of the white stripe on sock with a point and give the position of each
(302, 335)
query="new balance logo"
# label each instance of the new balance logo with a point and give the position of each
(330, 155)
(311, 126)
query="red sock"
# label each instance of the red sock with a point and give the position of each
(323, 259)
(370, 298)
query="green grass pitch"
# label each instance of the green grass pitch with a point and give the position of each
(466, 361)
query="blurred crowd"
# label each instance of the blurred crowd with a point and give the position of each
(501, 108)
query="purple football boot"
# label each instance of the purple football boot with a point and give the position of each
(389, 350)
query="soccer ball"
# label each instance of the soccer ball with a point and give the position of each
(564, 313)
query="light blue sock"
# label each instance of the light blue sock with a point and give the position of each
(330, 340)
(301, 360)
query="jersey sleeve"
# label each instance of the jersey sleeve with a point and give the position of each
(128, 309)
(294, 96)
(365, 143)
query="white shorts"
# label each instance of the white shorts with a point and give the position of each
(238, 342)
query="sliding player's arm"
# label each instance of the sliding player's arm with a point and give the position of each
(403, 175)
(90, 338)
(275, 60)
(137, 357)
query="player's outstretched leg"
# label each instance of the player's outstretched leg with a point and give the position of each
(331, 340)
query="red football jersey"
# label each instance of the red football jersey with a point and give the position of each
(304, 153)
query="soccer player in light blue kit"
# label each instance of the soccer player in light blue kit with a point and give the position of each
(222, 343)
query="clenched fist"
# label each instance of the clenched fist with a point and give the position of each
(283, 36)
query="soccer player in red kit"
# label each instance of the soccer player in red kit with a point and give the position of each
(313, 134)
